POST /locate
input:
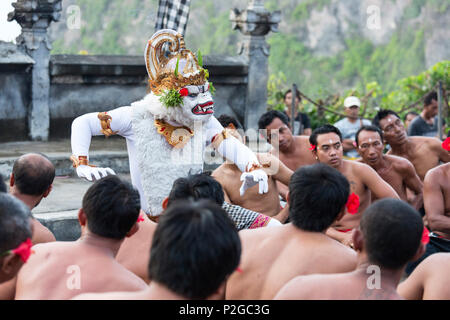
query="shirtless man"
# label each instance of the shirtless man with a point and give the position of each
(293, 151)
(382, 256)
(15, 229)
(364, 181)
(195, 248)
(30, 181)
(273, 256)
(423, 152)
(134, 252)
(429, 281)
(228, 174)
(436, 190)
(62, 270)
(396, 171)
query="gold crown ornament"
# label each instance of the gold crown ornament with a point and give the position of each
(171, 66)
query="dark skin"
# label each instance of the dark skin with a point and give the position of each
(437, 199)
(364, 182)
(347, 286)
(396, 171)
(293, 151)
(423, 152)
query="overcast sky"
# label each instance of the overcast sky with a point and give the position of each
(8, 30)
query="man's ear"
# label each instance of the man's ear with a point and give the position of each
(420, 252)
(358, 240)
(133, 230)
(287, 197)
(82, 217)
(11, 180)
(11, 265)
(165, 202)
(314, 153)
(47, 192)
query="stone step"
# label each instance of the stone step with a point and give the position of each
(111, 152)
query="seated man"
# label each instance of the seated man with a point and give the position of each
(389, 236)
(273, 256)
(135, 251)
(364, 181)
(203, 186)
(195, 248)
(423, 152)
(15, 236)
(31, 180)
(429, 281)
(396, 171)
(62, 270)
(293, 151)
(228, 174)
(436, 189)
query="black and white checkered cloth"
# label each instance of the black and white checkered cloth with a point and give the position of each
(244, 218)
(173, 14)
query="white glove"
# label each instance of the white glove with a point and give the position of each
(255, 177)
(95, 173)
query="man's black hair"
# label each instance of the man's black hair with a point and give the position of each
(195, 187)
(112, 207)
(15, 222)
(297, 93)
(317, 194)
(408, 113)
(368, 128)
(269, 116)
(327, 128)
(194, 249)
(2, 184)
(383, 113)
(430, 97)
(31, 176)
(392, 231)
(225, 120)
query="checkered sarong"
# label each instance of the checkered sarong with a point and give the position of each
(173, 14)
(244, 218)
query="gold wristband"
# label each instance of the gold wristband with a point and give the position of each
(105, 122)
(80, 161)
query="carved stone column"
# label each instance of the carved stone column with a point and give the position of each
(255, 23)
(35, 16)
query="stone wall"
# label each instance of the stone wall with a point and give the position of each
(80, 84)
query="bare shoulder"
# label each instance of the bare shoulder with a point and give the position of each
(438, 174)
(400, 163)
(358, 167)
(438, 262)
(430, 142)
(41, 234)
(303, 287)
(302, 140)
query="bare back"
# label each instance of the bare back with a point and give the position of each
(423, 152)
(134, 253)
(62, 270)
(273, 256)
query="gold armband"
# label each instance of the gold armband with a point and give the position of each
(105, 122)
(80, 161)
(254, 167)
(218, 138)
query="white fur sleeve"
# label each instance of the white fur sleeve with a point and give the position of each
(231, 148)
(88, 125)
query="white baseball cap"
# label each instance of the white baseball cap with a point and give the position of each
(351, 101)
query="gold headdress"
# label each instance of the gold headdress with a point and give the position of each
(170, 65)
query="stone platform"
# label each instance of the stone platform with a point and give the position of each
(59, 210)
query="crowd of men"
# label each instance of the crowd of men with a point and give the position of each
(339, 210)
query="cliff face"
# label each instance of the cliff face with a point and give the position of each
(322, 44)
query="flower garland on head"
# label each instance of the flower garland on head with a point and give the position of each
(174, 98)
(446, 144)
(23, 250)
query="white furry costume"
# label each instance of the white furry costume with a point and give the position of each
(154, 163)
